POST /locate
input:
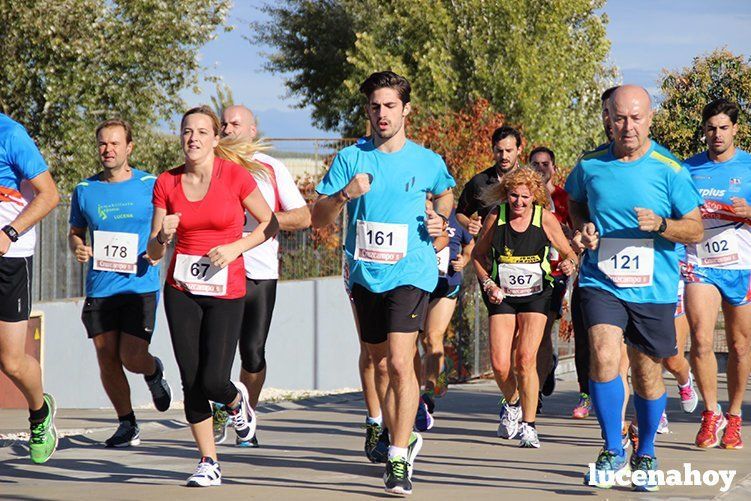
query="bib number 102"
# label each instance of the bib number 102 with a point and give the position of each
(120, 251)
(379, 237)
(715, 246)
(625, 262)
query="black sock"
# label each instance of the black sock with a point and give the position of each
(130, 417)
(530, 423)
(517, 403)
(39, 415)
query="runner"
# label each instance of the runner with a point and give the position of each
(27, 194)
(511, 261)
(261, 263)
(629, 277)
(507, 146)
(718, 272)
(391, 259)
(122, 286)
(542, 160)
(203, 203)
(452, 259)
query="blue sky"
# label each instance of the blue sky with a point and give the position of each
(646, 36)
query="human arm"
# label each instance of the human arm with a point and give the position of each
(688, 229)
(437, 217)
(46, 198)
(558, 239)
(77, 244)
(294, 219)
(587, 233)
(326, 207)
(464, 257)
(480, 259)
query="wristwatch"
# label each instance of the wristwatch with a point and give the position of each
(11, 232)
(663, 226)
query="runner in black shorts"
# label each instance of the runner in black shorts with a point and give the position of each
(511, 260)
(122, 283)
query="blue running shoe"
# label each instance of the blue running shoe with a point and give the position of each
(602, 473)
(645, 464)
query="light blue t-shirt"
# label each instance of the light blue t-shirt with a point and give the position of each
(611, 189)
(400, 182)
(122, 207)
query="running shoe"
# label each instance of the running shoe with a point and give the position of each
(372, 436)
(243, 419)
(602, 473)
(396, 478)
(633, 436)
(711, 426)
(248, 444)
(548, 387)
(662, 427)
(442, 385)
(43, 436)
(731, 439)
(528, 437)
(220, 422)
(126, 435)
(428, 399)
(161, 393)
(413, 449)
(689, 397)
(583, 408)
(380, 454)
(624, 436)
(423, 419)
(207, 474)
(511, 416)
(646, 464)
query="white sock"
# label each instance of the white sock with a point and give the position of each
(397, 452)
(375, 420)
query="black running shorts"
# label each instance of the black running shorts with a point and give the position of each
(15, 288)
(402, 309)
(133, 314)
(648, 327)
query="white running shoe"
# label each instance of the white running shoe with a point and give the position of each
(663, 426)
(528, 437)
(511, 416)
(689, 397)
(243, 419)
(207, 474)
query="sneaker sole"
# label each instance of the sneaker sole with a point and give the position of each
(413, 455)
(251, 413)
(529, 445)
(136, 441)
(212, 483)
(53, 430)
(716, 442)
(606, 485)
(398, 491)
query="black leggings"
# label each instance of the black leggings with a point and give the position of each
(581, 342)
(204, 332)
(260, 297)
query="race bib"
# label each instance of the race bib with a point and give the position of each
(115, 251)
(719, 248)
(443, 257)
(628, 262)
(197, 275)
(520, 279)
(381, 242)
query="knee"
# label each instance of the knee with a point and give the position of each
(109, 361)
(525, 363)
(701, 347)
(12, 366)
(401, 367)
(434, 345)
(253, 361)
(131, 360)
(501, 366)
(214, 388)
(738, 348)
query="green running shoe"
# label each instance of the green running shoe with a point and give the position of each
(43, 439)
(220, 422)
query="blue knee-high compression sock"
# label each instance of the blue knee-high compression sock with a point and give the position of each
(607, 399)
(648, 414)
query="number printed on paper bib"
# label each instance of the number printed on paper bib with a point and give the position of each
(115, 251)
(628, 262)
(719, 248)
(520, 279)
(381, 242)
(197, 275)
(443, 257)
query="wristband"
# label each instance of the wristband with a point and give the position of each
(663, 226)
(11, 232)
(159, 240)
(486, 283)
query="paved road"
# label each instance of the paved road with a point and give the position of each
(312, 450)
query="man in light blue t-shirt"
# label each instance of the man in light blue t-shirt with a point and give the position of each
(392, 264)
(113, 208)
(631, 202)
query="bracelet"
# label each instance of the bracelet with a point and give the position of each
(486, 283)
(159, 240)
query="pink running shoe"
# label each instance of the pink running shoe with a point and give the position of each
(582, 409)
(689, 397)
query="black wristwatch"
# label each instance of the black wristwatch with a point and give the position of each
(663, 226)
(11, 232)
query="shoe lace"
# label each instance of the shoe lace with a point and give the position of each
(605, 460)
(372, 434)
(203, 469)
(733, 429)
(237, 418)
(686, 393)
(38, 432)
(709, 421)
(398, 467)
(645, 463)
(156, 387)
(583, 400)
(527, 433)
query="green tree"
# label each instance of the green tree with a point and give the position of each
(68, 64)
(719, 74)
(540, 63)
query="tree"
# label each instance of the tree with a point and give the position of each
(68, 64)
(719, 74)
(540, 63)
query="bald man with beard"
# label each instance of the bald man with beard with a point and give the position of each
(629, 272)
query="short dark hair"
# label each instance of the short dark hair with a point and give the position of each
(542, 149)
(607, 93)
(719, 106)
(115, 122)
(384, 80)
(504, 132)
